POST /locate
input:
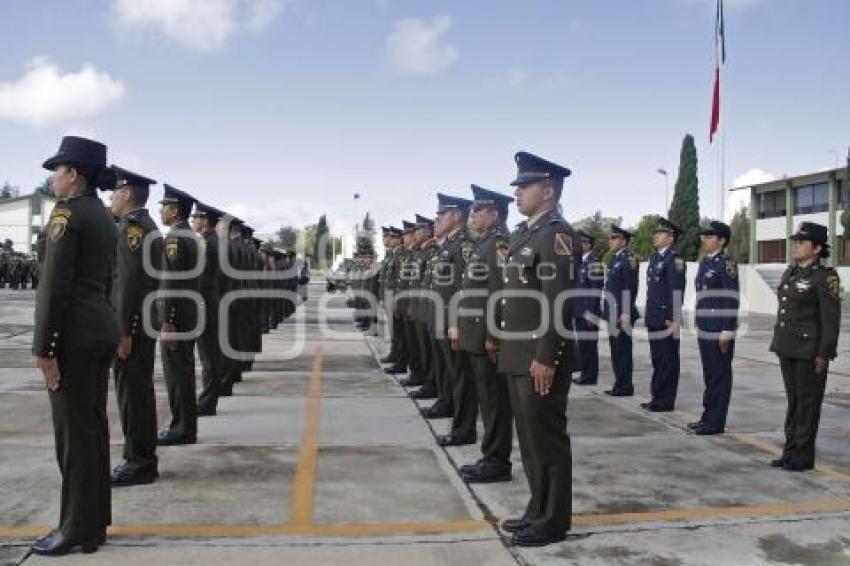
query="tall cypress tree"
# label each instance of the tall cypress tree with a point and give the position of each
(684, 211)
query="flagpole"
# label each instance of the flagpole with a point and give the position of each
(721, 147)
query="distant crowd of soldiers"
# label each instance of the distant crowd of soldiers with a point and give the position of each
(479, 323)
(112, 286)
(17, 270)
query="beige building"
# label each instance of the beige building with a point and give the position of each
(23, 218)
(777, 207)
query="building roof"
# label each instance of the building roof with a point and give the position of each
(840, 172)
(30, 196)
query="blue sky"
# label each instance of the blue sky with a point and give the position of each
(280, 110)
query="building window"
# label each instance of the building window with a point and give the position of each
(772, 251)
(771, 204)
(811, 198)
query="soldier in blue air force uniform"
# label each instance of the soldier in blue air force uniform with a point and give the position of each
(587, 309)
(716, 320)
(619, 309)
(665, 279)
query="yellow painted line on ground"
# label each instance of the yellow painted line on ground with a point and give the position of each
(708, 513)
(304, 482)
(234, 531)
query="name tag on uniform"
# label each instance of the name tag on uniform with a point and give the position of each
(803, 285)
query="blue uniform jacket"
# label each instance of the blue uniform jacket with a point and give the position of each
(665, 288)
(590, 281)
(622, 276)
(717, 273)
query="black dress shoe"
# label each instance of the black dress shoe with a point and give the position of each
(436, 411)
(488, 473)
(125, 476)
(57, 544)
(794, 465)
(536, 537)
(694, 425)
(778, 463)
(653, 408)
(707, 431)
(455, 440)
(411, 382)
(614, 393)
(206, 411)
(425, 392)
(515, 525)
(396, 369)
(168, 438)
(467, 468)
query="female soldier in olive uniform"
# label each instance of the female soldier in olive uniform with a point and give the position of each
(805, 339)
(74, 340)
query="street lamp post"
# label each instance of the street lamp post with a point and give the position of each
(666, 189)
(356, 225)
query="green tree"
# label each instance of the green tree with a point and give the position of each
(45, 187)
(8, 191)
(322, 245)
(845, 222)
(642, 236)
(684, 211)
(598, 227)
(286, 237)
(366, 236)
(739, 247)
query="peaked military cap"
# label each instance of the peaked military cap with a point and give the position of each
(424, 221)
(408, 226)
(385, 231)
(120, 177)
(173, 195)
(813, 232)
(210, 213)
(665, 225)
(74, 150)
(486, 197)
(393, 231)
(446, 203)
(624, 233)
(717, 228)
(531, 169)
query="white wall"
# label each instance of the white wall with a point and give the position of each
(14, 224)
(756, 296)
(770, 228)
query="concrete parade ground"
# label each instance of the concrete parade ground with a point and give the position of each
(323, 459)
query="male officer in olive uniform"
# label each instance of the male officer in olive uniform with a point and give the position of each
(397, 354)
(74, 340)
(179, 314)
(406, 274)
(481, 280)
(619, 309)
(421, 367)
(204, 220)
(587, 307)
(139, 242)
(435, 384)
(716, 311)
(665, 290)
(446, 279)
(538, 353)
(805, 338)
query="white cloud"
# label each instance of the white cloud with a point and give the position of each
(752, 177)
(200, 25)
(45, 95)
(418, 47)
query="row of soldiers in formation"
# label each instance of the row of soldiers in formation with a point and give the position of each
(17, 270)
(494, 358)
(110, 282)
